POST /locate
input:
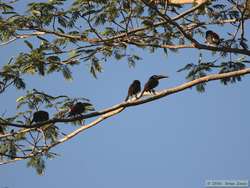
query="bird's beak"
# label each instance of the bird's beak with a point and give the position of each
(161, 77)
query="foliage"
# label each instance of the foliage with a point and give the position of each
(60, 34)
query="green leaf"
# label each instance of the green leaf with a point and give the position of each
(4, 148)
(12, 149)
(20, 99)
(51, 133)
(53, 59)
(66, 72)
(60, 29)
(62, 21)
(28, 44)
(72, 53)
(201, 87)
(92, 71)
(41, 68)
(9, 12)
(19, 83)
(43, 39)
(187, 67)
(38, 163)
(20, 136)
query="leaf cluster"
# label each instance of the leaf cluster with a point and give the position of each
(202, 69)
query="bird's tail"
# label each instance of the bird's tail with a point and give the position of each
(126, 99)
(141, 94)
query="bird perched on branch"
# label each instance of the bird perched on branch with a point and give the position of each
(212, 38)
(152, 83)
(40, 116)
(134, 89)
(79, 108)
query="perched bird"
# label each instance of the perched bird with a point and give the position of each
(212, 38)
(152, 83)
(79, 108)
(134, 89)
(40, 116)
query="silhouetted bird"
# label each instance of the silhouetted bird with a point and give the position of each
(40, 116)
(79, 108)
(134, 89)
(212, 38)
(152, 83)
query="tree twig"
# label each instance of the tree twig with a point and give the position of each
(109, 112)
(136, 102)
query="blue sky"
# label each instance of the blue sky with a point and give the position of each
(178, 141)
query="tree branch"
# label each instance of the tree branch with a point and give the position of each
(167, 19)
(194, 41)
(109, 112)
(124, 34)
(179, 2)
(135, 102)
(142, 44)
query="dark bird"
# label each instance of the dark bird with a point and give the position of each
(40, 116)
(134, 89)
(212, 38)
(152, 83)
(79, 108)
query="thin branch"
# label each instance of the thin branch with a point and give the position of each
(242, 20)
(83, 128)
(9, 41)
(167, 20)
(195, 42)
(50, 96)
(167, 46)
(136, 102)
(109, 112)
(11, 161)
(132, 31)
(178, 2)
(12, 156)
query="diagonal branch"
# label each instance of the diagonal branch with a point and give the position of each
(124, 34)
(192, 40)
(178, 2)
(136, 102)
(109, 112)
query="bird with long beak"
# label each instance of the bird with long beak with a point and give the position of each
(40, 116)
(134, 89)
(152, 83)
(79, 108)
(212, 38)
